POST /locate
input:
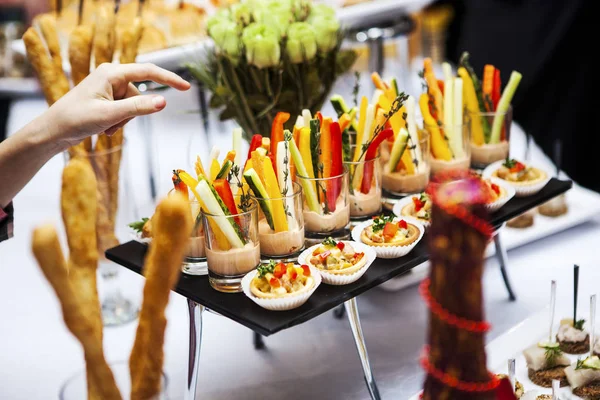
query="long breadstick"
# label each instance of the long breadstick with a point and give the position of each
(48, 253)
(131, 40)
(78, 206)
(80, 54)
(47, 24)
(172, 227)
(53, 81)
(104, 36)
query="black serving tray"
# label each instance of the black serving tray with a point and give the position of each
(241, 309)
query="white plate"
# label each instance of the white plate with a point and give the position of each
(338, 279)
(397, 210)
(390, 251)
(284, 303)
(520, 190)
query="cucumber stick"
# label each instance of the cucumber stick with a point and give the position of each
(309, 190)
(364, 139)
(215, 206)
(447, 70)
(340, 107)
(503, 104)
(307, 116)
(261, 195)
(412, 133)
(224, 171)
(285, 182)
(398, 149)
(456, 141)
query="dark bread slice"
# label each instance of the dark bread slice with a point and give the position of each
(545, 377)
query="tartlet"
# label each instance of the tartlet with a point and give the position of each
(386, 232)
(418, 207)
(546, 362)
(337, 258)
(279, 280)
(526, 180)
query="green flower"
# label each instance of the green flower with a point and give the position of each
(241, 13)
(326, 29)
(222, 15)
(320, 10)
(262, 45)
(276, 15)
(226, 36)
(301, 43)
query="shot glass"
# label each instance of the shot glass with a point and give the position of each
(450, 147)
(487, 147)
(364, 177)
(232, 245)
(410, 176)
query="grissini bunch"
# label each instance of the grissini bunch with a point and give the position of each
(78, 207)
(172, 225)
(48, 252)
(47, 25)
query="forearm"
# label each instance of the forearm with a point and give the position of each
(23, 154)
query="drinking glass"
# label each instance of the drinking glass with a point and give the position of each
(232, 245)
(364, 187)
(405, 181)
(284, 244)
(441, 136)
(484, 153)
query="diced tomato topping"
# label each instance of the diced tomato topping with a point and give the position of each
(389, 230)
(279, 270)
(496, 188)
(518, 167)
(325, 254)
(340, 245)
(305, 270)
(274, 282)
(402, 224)
(291, 271)
(358, 256)
(418, 204)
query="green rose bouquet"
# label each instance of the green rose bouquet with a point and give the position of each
(270, 56)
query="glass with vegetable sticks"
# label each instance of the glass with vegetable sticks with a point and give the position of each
(195, 256)
(450, 147)
(407, 170)
(231, 241)
(485, 147)
(365, 186)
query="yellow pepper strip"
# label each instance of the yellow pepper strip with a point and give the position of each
(344, 122)
(219, 236)
(364, 103)
(378, 82)
(390, 94)
(396, 120)
(279, 217)
(439, 147)
(470, 99)
(432, 88)
(304, 148)
(266, 143)
(257, 162)
(230, 156)
(214, 169)
(199, 167)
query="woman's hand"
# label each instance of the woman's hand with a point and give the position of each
(106, 100)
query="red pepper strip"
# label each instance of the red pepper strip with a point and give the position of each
(326, 160)
(178, 183)
(440, 83)
(277, 133)
(224, 191)
(496, 93)
(319, 116)
(255, 143)
(337, 163)
(371, 153)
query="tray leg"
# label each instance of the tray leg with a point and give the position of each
(503, 261)
(195, 313)
(339, 312)
(259, 342)
(359, 340)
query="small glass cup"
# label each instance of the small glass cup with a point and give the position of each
(285, 244)
(227, 262)
(330, 213)
(75, 388)
(441, 136)
(400, 182)
(364, 196)
(484, 153)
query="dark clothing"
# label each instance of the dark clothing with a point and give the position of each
(6, 223)
(552, 44)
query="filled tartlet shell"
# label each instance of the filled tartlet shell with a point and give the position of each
(262, 295)
(506, 193)
(545, 377)
(406, 208)
(522, 189)
(389, 252)
(575, 347)
(413, 234)
(345, 271)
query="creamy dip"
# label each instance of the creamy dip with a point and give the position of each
(399, 182)
(442, 165)
(195, 247)
(489, 153)
(324, 223)
(362, 204)
(279, 243)
(233, 262)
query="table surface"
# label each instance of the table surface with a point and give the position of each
(243, 310)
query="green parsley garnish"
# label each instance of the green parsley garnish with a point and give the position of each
(330, 242)
(579, 324)
(138, 226)
(509, 162)
(380, 221)
(264, 269)
(551, 354)
(580, 364)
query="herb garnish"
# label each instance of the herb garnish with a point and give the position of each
(380, 221)
(330, 242)
(245, 203)
(580, 364)
(579, 324)
(510, 162)
(265, 269)
(551, 354)
(356, 88)
(138, 226)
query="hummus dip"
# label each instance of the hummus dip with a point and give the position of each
(442, 165)
(195, 247)
(279, 243)
(486, 154)
(399, 182)
(233, 262)
(324, 223)
(362, 204)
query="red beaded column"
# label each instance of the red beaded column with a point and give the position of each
(454, 358)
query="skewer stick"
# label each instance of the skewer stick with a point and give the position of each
(592, 323)
(575, 291)
(552, 307)
(555, 389)
(511, 371)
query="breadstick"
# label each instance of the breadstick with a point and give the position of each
(104, 36)
(80, 53)
(53, 81)
(47, 24)
(172, 226)
(104, 224)
(130, 41)
(48, 253)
